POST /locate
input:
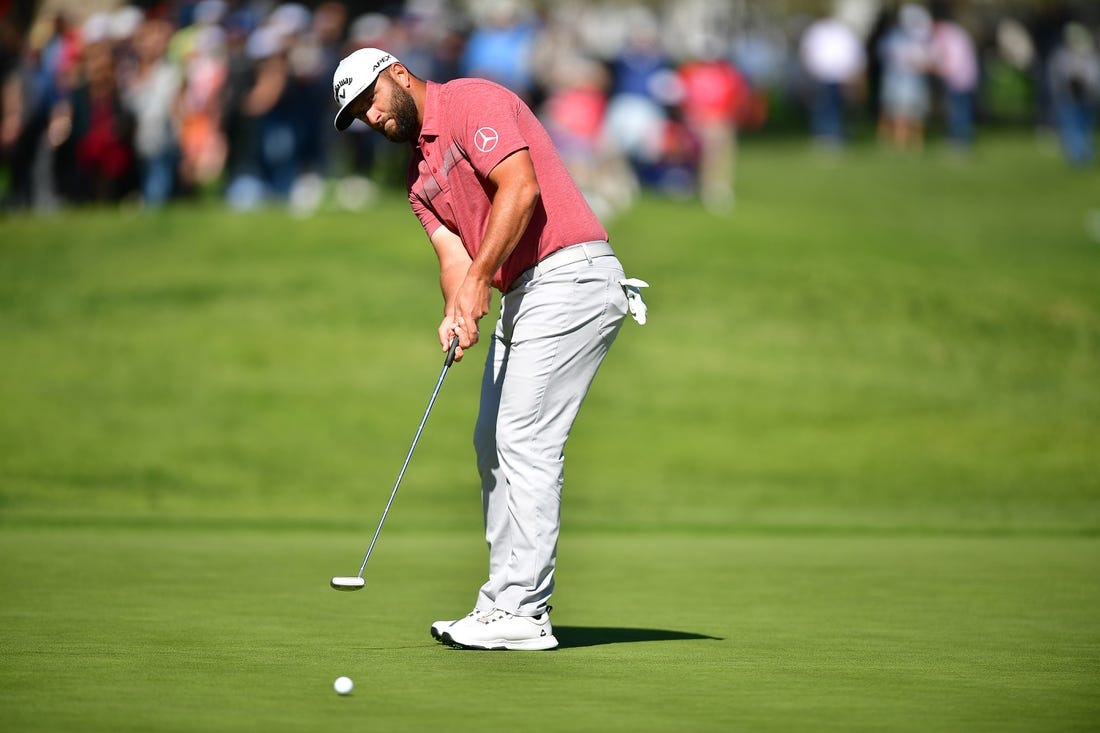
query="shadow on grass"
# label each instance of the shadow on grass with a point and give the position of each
(572, 637)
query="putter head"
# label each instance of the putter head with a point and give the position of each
(352, 583)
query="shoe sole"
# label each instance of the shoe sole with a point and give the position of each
(541, 644)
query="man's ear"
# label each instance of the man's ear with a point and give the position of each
(399, 74)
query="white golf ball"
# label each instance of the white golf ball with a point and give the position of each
(343, 685)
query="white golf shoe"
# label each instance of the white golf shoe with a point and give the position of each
(500, 630)
(440, 626)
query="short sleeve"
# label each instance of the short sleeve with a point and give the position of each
(485, 123)
(427, 218)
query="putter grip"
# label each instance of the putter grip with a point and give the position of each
(451, 353)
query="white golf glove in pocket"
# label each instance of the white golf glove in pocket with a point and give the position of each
(632, 287)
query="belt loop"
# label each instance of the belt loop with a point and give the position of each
(584, 248)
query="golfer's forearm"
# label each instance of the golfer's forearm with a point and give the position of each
(454, 262)
(514, 201)
(450, 279)
(507, 223)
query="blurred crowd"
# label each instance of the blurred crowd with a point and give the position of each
(231, 99)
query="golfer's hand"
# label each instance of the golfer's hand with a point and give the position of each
(448, 329)
(471, 303)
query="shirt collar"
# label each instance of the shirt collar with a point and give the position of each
(430, 128)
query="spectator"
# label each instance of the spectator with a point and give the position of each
(955, 62)
(152, 96)
(34, 123)
(882, 25)
(500, 49)
(574, 114)
(906, 61)
(1073, 74)
(239, 130)
(642, 61)
(101, 142)
(323, 51)
(264, 163)
(202, 55)
(644, 89)
(715, 98)
(1008, 94)
(1045, 25)
(299, 181)
(25, 101)
(834, 59)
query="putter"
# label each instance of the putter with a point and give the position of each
(356, 582)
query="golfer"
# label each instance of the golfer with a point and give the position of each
(502, 212)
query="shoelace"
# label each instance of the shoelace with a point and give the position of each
(493, 616)
(497, 615)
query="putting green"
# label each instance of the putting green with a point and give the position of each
(192, 629)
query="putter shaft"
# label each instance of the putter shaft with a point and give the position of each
(420, 428)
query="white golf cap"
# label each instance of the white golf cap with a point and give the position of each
(355, 73)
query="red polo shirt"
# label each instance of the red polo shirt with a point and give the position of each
(470, 125)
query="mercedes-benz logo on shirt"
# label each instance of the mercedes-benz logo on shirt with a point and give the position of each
(486, 138)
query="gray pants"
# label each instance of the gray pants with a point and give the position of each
(555, 328)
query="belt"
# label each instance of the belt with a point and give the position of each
(565, 256)
(570, 255)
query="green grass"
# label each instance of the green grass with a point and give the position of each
(193, 630)
(847, 478)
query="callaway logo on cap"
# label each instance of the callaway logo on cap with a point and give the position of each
(355, 73)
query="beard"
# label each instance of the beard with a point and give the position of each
(406, 120)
